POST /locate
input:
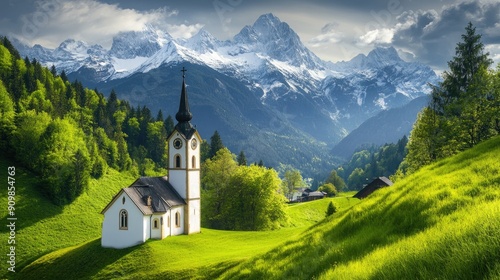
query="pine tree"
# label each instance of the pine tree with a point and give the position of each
(331, 209)
(242, 159)
(215, 144)
(159, 116)
(461, 111)
(169, 124)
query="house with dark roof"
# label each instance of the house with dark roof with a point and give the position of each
(374, 185)
(306, 194)
(157, 207)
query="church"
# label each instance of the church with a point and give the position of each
(157, 207)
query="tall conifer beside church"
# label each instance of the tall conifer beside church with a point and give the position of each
(157, 207)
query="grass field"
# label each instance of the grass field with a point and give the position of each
(59, 242)
(441, 223)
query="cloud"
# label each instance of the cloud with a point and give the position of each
(183, 30)
(377, 37)
(329, 35)
(91, 21)
(431, 36)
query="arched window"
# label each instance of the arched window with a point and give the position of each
(177, 219)
(123, 219)
(155, 224)
(177, 161)
(193, 162)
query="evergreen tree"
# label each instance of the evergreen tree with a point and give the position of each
(462, 108)
(331, 209)
(242, 159)
(63, 76)
(6, 43)
(215, 144)
(53, 70)
(159, 116)
(169, 124)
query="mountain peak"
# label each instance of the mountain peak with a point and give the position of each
(388, 54)
(267, 22)
(144, 43)
(202, 41)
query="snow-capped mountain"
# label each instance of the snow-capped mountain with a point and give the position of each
(320, 99)
(132, 44)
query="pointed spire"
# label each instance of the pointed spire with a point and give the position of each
(183, 115)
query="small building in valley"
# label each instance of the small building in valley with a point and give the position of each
(376, 184)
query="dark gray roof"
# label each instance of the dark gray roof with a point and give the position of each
(316, 194)
(379, 182)
(162, 193)
(386, 180)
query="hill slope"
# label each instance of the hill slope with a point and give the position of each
(441, 222)
(54, 242)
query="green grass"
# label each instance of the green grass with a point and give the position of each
(309, 213)
(442, 222)
(42, 227)
(56, 242)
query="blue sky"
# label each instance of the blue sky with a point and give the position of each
(426, 30)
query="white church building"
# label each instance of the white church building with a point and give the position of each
(157, 207)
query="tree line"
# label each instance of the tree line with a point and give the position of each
(67, 134)
(464, 108)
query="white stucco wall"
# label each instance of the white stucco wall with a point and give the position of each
(194, 216)
(174, 229)
(194, 184)
(112, 235)
(158, 233)
(177, 179)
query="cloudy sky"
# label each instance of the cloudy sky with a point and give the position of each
(423, 30)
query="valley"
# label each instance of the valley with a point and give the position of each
(262, 86)
(380, 236)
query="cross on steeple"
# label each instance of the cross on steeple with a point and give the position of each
(184, 115)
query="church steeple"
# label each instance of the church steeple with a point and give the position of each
(184, 115)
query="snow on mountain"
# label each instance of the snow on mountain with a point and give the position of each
(268, 58)
(145, 43)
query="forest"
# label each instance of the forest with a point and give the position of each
(67, 134)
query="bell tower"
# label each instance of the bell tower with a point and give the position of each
(184, 162)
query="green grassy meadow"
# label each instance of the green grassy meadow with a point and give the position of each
(442, 222)
(54, 242)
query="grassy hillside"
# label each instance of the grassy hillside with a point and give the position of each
(42, 227)
(205, 255)
(441, 222)
(56, 242)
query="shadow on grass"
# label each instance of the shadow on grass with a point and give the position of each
(205, 272)
(31, 205)
(80, 262)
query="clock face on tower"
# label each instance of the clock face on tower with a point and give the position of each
(194, 144)
(177, 143)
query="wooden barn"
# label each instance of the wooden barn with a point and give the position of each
(376, 184)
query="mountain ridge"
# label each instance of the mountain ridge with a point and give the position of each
(323, 101)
